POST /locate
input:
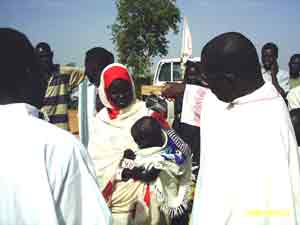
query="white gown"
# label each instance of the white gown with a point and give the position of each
(46, 175)
(250, 170)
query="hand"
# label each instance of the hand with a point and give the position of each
(129, 154)
(172, 90)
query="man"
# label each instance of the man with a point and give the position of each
(270, 70)
(293, 96)
(46, 175)
(294, 68)
(96, 59)
(295, 118)
(184, 123)
(249, 155)
(61, 81)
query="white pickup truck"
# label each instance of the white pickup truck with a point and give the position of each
(167, 70)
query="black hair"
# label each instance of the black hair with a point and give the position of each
(147, 132)
(295, 118)
(99, 54)
(272, 46)
(231, 53)
(295, 56)
(20, 79)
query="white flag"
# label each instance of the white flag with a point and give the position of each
(186, 45)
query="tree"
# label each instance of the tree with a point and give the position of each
(140, 31)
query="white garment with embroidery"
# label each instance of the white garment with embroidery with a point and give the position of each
(192, 104)
(249, 162)
(46, 176)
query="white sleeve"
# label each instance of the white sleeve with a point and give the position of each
(80, 200)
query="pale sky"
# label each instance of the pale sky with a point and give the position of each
(73, 26)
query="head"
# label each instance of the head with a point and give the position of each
(45, 55)
(21, 81)
(116, 88)
(294, 66)
(147, 133)
(96, 59)
(295, 118)
(193, 73)
(231, 66)
(269, 55)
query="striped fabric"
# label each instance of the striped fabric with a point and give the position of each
(60, 85)
(180, 144)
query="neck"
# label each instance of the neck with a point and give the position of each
(249, 87)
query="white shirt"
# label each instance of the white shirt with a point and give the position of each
(249, 162)
(282, 77)
(46, 176)
(192, 104)
(293, 98)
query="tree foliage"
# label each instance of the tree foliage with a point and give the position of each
(140, 30)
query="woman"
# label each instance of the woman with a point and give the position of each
(110, 137)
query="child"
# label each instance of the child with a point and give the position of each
(163, 164)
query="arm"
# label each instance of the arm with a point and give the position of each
(76, 75)
(274, 71)
(80, 200)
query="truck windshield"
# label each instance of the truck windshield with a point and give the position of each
(165, 73)
(177, 72)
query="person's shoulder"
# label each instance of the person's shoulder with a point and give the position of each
(52, 135)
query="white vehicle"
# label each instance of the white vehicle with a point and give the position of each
(169, 70)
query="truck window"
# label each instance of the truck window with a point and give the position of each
(165, 72)
(177, 72)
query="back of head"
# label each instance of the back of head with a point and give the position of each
(96, 59)
(20, 79)
(231, 53)
(147, 132)
(100, 54)
(295, 118)
(230, 60)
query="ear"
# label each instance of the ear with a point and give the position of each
(230, 76)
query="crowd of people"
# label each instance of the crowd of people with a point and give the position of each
(237, 121)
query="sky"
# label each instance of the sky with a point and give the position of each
(72, 27)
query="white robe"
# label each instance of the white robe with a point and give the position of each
(250, 171)
(46, 175)
(86, 109)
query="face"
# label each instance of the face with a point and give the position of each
(92, 72)
(93, 69)
(120, 93)
(46, 61)
(219, 84)
(268, 58)
(194, 75)
(294, 67)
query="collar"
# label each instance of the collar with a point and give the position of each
(264, 93)
(23, 109)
